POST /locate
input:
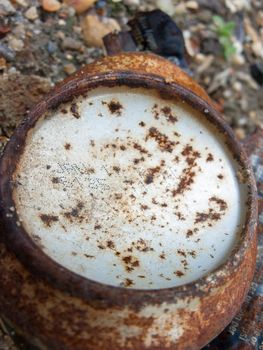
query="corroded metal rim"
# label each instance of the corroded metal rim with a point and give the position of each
(42, 266)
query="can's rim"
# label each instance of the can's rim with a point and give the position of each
(42, 266)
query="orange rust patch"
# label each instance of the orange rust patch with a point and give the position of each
(163, 141)
(179, 273)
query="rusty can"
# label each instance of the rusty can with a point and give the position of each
(128, 213)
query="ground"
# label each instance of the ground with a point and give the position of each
(43, 42)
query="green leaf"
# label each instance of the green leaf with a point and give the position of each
(229, 51)
(225, 30)
(218, 21)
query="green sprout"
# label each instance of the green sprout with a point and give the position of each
(225, 31)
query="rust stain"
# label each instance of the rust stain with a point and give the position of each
(189, 233)
(130, 262)
(67, 146)
(163, 141)
(179, 273)
(74, 213)
(210, 157)
(148, 179)
(170, 117)
(128, 283)
(115, 107)
(220, 202)
(55, 180)
(140, 148)
(166, 111)
(151, 172)
(48, 219)
(213, 214)
(188, 173)
(117, 169)
(110, 244)
(74, 110)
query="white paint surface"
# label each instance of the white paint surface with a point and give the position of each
(103, 218)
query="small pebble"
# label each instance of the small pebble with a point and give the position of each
(180, 9)
(2, 63)
(240, 133)
(131, 2)
(95, 28)
(192, 5)
(62, 22)
(6, 52)
(52, 47)
(259, 19)
(166, 6)
(237, 5)
(237, 86)
(69, 57)
(200, 58)
(80, 5)
(69, 68)
(22, 3)
(6, 8)
(244, 107)
(60, 35)
(31, 13)
(253, 116)
(71, 44)
(207, 80)
(227, 93)
(15, 44)
(238, 59)
(51, 5)
(77, 29)
(257, 48)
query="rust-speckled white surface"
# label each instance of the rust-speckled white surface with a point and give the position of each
(130, 190)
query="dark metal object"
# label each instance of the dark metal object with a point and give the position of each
(153, 31)
(118, 42)
(256, 70)
(57, 309)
